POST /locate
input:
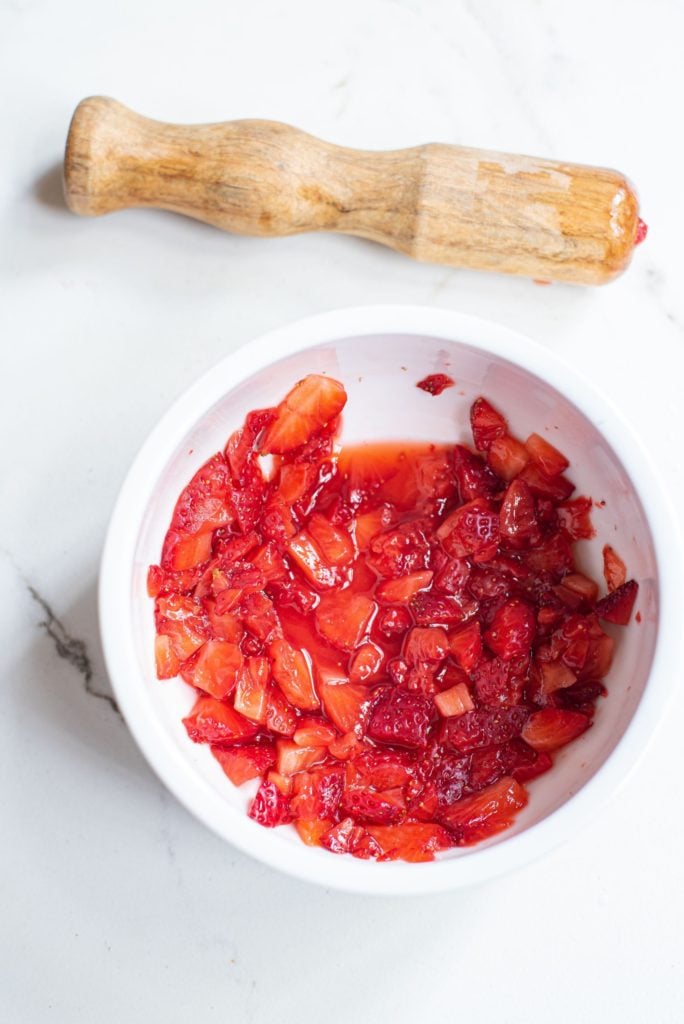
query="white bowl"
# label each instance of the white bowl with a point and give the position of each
(380, 353)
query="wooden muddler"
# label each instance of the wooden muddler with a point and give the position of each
(443, 204)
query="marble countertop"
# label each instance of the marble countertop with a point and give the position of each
(116, 904)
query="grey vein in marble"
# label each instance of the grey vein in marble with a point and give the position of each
(70, 648)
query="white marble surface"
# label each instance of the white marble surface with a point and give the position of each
(115, 904)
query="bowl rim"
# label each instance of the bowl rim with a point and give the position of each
(347, 873)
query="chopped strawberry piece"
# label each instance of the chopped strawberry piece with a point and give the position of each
(338, 838)
(308, 557)
(486, 813)
(507, 457)
(517, 516)
(248, 500)
(474, 479)
(240, 451)
(450, 675)
(488, 765)
(155, 580)
(223, 627)
(483, 728)
(553, 555)
(277, 523)
(346, 837)
(260, 617)
(213, 721)
(313, 403)
(366, 665)
(214, 668)
(448, 778)
(473, 529)
(401, 718)
(252, 691)
(549, 459)
(312, 829)
(370, 524)
(555, 488)
(413, 841)
(575, 518)
(381, 769)
(283, 783)
(487, 424)
(435, 383)
(346, 747)
(581, 697)
(344, 703)
(183, 551)
(292, 673)
(572, 642)
(516, 758)
(529, 763)
(294, 594)
(363, 579)
(230, 548)
(295, 481)
(334, 543)
(294, 758)
(269, 807)
(166, 662)
(434, 479)
(314, 732)
(393, 622)
(577, 589)
(465, 645)
(421, 678)
(512, 629)
(343, 618)
(317, 794)
(617, 607)
(242, 576)
(493, 682)
(555, 675)
(398, 670)
(454, 701)
(270, 563)
(441, 609)
(203, 505)
(426, 644)
(281, 717)
(599, 657)
(403, 589)
(183, 621)
(453, 574)
(249, 761)
(370, 807)
(551, 728)
(614, 569)
(399, 552)
(162, 583)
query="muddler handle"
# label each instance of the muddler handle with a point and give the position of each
(442, 204)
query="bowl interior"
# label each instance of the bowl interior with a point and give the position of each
(379, 372)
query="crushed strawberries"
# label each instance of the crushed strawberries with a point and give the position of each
(393, 639)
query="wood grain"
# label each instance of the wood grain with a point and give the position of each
(438, 203)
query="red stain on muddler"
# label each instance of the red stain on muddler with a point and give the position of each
(641, 232)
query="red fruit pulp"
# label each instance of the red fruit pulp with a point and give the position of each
(435, 383)
(393, 638)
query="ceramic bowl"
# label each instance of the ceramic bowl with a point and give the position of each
(380, 353)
